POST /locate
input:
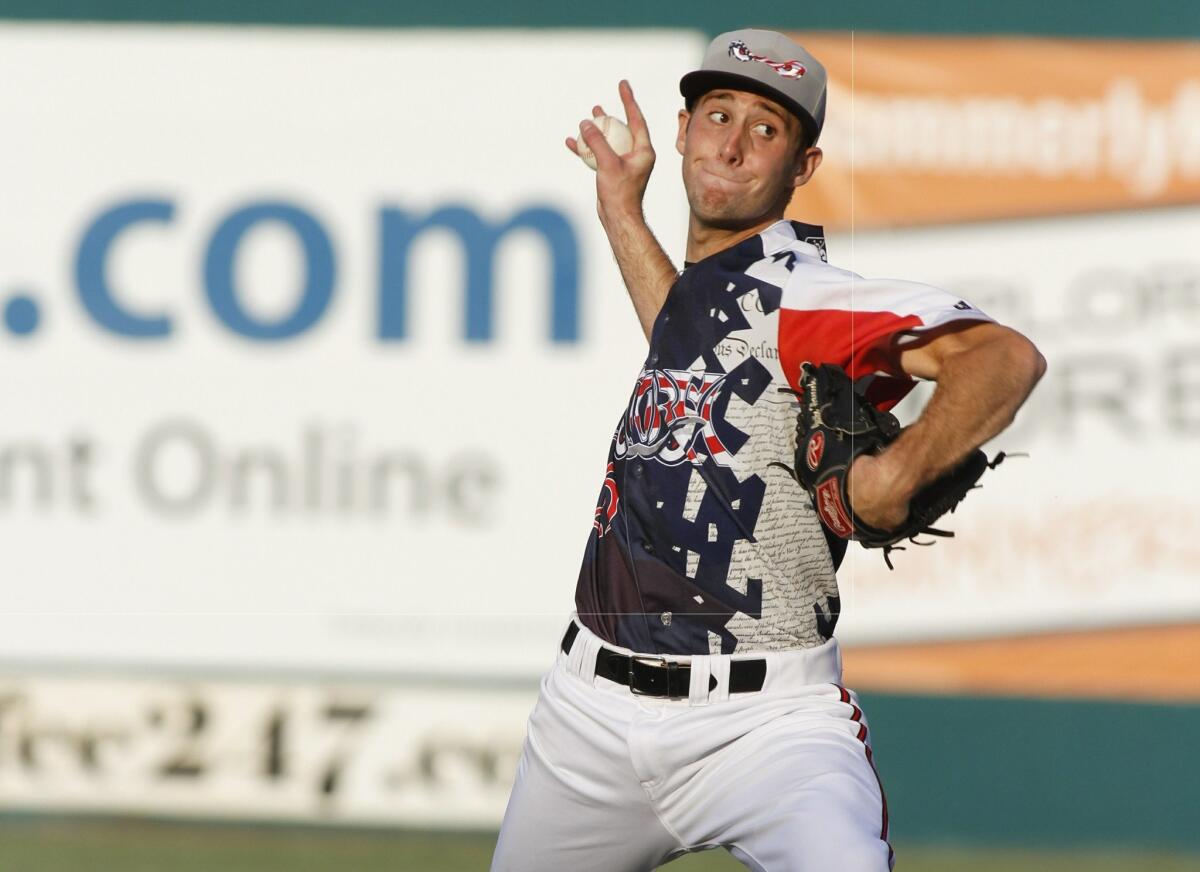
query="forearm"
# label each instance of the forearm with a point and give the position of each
(978, 393)
(647, 271)
(620, 187)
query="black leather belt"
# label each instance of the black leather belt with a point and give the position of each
(656, 676)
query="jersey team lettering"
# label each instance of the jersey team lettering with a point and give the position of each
(670, 417)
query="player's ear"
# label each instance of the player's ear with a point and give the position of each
(681, 138)
(806, 164)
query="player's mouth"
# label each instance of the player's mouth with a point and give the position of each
(729, 180)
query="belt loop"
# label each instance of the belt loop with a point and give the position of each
(718, 667)
(583, 655)
(698, 689)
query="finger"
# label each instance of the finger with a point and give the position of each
(606, 158)
(598, 112)
(633, 113)
(571, 144)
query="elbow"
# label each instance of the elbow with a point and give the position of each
(1029, 362)
(1025, 367)
(1020, 358)
(1039, 367)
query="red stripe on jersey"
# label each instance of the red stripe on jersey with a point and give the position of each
(859, 342)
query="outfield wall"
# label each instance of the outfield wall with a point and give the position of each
(395, 753)
(1152, 18)
(309, 377)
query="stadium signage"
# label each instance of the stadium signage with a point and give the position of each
(397, 230)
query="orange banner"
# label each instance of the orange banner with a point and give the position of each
(930, 130)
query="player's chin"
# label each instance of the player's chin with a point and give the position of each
(724, 214)
(720, 207)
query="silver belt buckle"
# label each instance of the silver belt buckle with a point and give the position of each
(670, 670)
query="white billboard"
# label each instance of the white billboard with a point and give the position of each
(312, 341)
(1099, 524)
(313, 346)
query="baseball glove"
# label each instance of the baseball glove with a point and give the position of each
(835, 425)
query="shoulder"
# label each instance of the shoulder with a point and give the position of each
(813, 280)
(819, 285)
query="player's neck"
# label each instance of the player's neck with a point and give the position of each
(705, 240)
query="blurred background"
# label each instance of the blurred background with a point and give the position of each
(312, 347)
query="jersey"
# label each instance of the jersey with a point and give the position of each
(701, 541)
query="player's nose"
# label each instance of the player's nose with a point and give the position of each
(731, 146)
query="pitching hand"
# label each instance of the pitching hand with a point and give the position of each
(620, 179)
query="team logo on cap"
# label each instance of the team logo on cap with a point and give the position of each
(739, 51)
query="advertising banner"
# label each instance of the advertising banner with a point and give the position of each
(312, 341)
(1098, 525)
(933, 130)
(261, 750)
(308, 339)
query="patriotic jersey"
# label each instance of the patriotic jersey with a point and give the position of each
(700, 543)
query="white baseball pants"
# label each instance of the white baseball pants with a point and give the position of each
(613, 782)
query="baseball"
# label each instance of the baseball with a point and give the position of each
(614, 131)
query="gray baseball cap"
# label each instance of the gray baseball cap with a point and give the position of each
(766, 63)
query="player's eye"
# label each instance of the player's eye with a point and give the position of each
(764, 129)
(718, 117)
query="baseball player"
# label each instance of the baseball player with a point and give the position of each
(697, 700)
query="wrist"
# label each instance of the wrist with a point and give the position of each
(624, 213)
(899, 470)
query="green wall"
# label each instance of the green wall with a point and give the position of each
(1149, 18)
(992, 770)
(1038, 772)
